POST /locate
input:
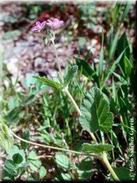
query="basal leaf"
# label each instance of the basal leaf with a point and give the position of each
(96, 148)
(95, 112)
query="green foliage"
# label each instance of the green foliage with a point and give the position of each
(54, 84)
(95, 111)
(18, 163)
(123, 173)
(84, 168)
(96, 148)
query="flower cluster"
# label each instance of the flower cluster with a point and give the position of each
(53, 23)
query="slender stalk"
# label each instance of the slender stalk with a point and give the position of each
(72, 100)
(105, 161)
(46, 146)
(57, 59)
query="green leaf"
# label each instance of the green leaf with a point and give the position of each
(122, 173)
(32, 155)
(95, 111)
(123, 43)
(113, 46)
(113, 67)
(54, 84)
(70, 74)
(128, 66)
(84, 168)
(17, 158)
(35, 165)
(86, 68)
(42, 172)
(96, 148)
(13, 150)
(62, 160)
(85, 165)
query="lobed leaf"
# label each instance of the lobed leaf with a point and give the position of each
(95, 111)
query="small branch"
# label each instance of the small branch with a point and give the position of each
(50, 147)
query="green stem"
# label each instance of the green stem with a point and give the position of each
(72, 100)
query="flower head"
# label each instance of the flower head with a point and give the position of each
(54, 23)
(38, 26)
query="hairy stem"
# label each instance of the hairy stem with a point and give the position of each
(105, 161)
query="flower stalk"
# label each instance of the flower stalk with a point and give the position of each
(56, 55)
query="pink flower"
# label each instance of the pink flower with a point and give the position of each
(54, 23)
(38, 26)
